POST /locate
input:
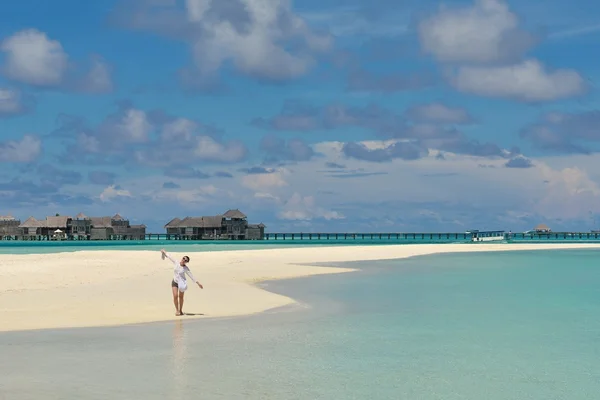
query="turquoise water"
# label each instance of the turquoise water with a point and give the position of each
(146, 245)
(31, 247)
(42, 247)
(504, 325)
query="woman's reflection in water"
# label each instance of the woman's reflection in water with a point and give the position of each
(179, 360)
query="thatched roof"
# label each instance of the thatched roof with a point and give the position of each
(200, 222)
(174, 223)
(31, 222)
(81, 216)
(542, 227)
(118, 217)
(261, 225)
(234, 214)
(101, 222)
(7, 218)
(213, 222)
(57, 222)
(191, 222)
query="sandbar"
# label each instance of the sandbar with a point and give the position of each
(117, 287)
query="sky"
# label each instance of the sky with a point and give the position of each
(308, 116)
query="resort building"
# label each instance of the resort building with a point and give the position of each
(232, 225)
(9, 227)
(81, 227)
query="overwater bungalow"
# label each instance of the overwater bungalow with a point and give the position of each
(9, 227)
(81, 227)
(231, 225)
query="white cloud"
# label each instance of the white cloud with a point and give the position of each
(485, 32)
(260, 182)
(179, 129)
(33, 58)
(10, 102)
(210, 150)
(486, 42)
(526, 81)
(184, 195)
(304, 208)
(134, 126)
(23, 151)
(202, 146)
(253, 35)
(439, 113)
(98, 79)
(267, 196)
(575, 31)
(569, 193)
(88, 143)
(127, 126)
(552, 188)
(350, 20)
(113, 192)
(423, 191)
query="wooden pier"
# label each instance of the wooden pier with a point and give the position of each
(367, 236)
(173, 236)
(339, 236)
(431, 236)
(555, 236)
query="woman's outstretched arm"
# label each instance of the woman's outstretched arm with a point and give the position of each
(189, 273)
(164, 253)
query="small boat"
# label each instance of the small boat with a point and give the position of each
(487, 236)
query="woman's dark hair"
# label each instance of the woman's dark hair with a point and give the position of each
(187, 259)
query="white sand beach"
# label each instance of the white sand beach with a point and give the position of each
(106, 288)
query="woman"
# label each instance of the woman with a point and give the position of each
(179, 283)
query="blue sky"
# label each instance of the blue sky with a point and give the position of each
(308, 116)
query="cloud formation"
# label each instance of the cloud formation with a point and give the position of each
(103, 178)
(33, 58)
(421, 127)
(278, 150)
(484, 50)
(13, 103)
(439, 113)
(565, 132)
(149, 138)
(263, 39)
(366, 81)
(527, 81)
(25, 150)
(485, 32)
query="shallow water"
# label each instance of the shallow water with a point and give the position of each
(44, 247)
(507, 325)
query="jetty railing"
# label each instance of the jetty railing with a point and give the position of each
(430, 236)
(347, 236)
(367, 236)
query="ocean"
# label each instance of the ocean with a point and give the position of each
(44, 247)
(503, 325)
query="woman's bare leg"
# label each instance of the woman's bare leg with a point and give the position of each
(181, 302)
(176, 300)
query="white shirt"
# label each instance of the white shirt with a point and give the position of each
(179, 272)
